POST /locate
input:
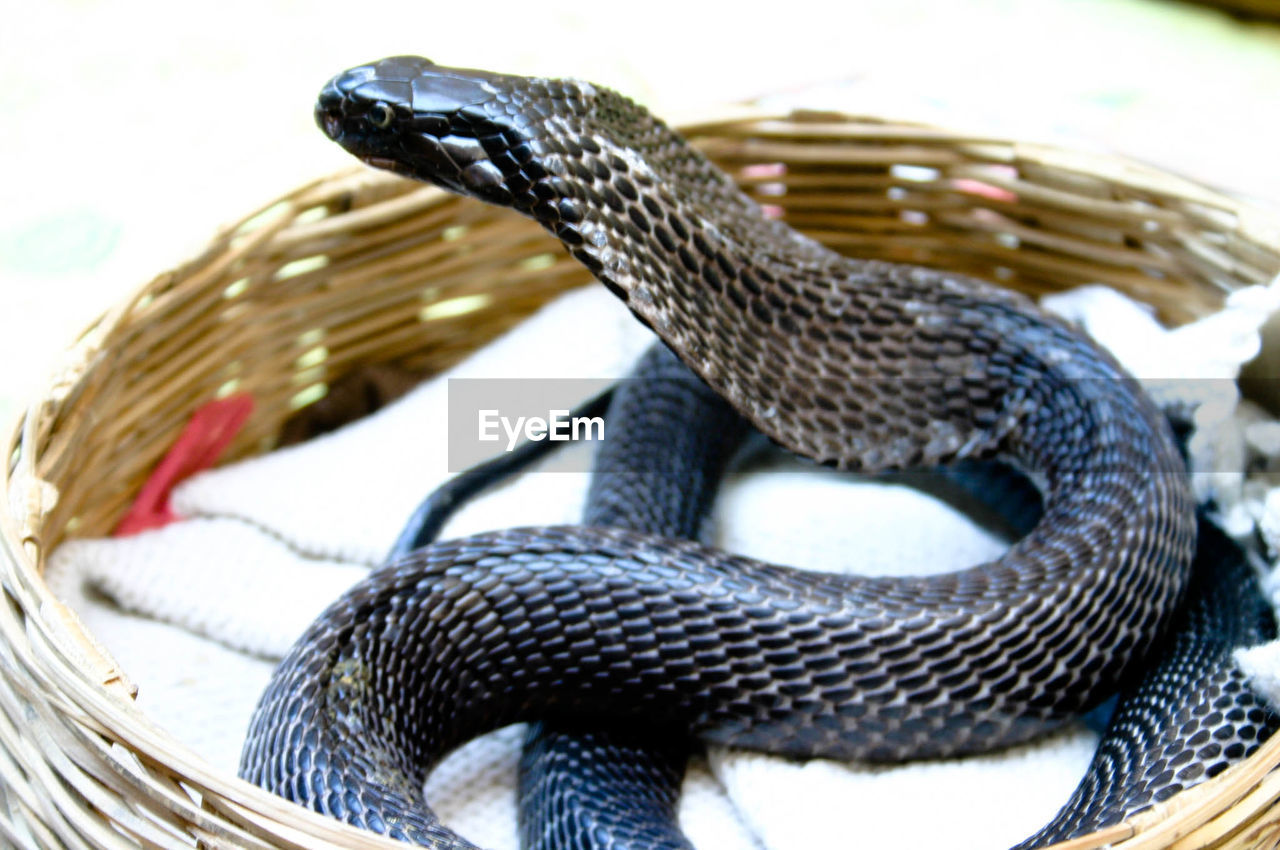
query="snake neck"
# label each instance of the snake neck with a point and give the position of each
(645, 211)
(883, 365)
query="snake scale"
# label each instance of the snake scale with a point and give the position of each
(855, 364)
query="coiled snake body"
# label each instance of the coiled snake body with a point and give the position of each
(861, 365)
(1185, 715)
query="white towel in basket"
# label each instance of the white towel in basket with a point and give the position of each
(196, 612)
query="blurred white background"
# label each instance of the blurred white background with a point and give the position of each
(132, 129)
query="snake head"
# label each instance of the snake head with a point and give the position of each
(471, 132)
(613, 183)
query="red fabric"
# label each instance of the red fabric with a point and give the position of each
(211, 429)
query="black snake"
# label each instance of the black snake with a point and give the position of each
(1185, 716)
(861, 365)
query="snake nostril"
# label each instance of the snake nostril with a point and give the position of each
(328, 109)
(328, 120)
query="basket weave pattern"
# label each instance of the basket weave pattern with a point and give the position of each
(364, 268)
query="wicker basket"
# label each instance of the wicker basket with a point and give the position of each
(363, 268)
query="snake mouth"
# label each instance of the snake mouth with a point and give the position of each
(338, 127)
(388, 164)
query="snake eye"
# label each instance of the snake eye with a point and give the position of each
(381, 115)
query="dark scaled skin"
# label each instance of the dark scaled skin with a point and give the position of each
(602, 789)
(1185, 717)
(1190, 715)
(855, 364)
(669, 442)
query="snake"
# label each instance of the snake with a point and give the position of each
(855, 364)
(1190, 713)
(1185, 716)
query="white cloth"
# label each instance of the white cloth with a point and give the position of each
(194, 612)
